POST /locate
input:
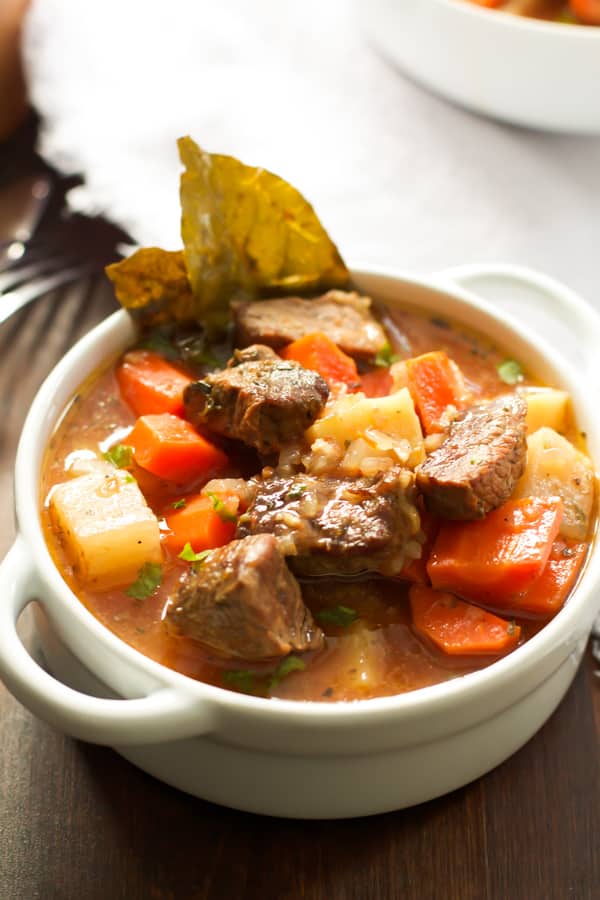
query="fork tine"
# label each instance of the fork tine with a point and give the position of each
(12, 301)
(30, 270)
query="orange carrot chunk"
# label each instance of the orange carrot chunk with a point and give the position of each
(435, 382)
(377, 383)
(586, 10)
(493, 560)
(490, 4)
(172, 449)
(203, 521)
(319, 353)
(459, 628)
(548, 592)
(149, 384)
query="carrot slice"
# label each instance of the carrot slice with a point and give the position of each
(204, 522)
(149, 384)
(319, 353)
(548, 592)
(493, 560)
(459, 628)
(171, 448)
(587, 11)
(377, 383)
(435, 382)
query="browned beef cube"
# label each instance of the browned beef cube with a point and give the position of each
(259, 399)
(344, 317)
(244, 603)
(339, 526)
(478, 464)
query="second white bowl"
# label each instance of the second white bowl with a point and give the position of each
(525, 71)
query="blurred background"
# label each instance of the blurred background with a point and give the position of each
(399, 176)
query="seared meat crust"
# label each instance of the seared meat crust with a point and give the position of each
(478, 465)
(259, 399)
(339, 526)
(344, 317)
(243, 602)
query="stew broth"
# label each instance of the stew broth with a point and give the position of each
(376, 654)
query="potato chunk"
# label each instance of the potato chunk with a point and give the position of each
(546, 407)
(107, 529)
(556, 468)
(383, 422)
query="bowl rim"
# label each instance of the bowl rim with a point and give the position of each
(43, 419)
(511, 20)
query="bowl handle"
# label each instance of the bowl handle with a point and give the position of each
(165, 715)
(548, 307)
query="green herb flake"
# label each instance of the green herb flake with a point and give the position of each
(511, 627)
(295, 493)
(338, 615)
(158, 342)
(385, 357)
(239, 680)
(179, 504)
(120, 456)
(189, 554)
(129, 479)
(221, 509)
(510, 371)
(149, 580)
(288, 665)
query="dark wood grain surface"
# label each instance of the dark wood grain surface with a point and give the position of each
(77, 821)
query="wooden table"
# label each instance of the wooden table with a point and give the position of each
(77, 822)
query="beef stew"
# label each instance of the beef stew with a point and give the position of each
(323, 566)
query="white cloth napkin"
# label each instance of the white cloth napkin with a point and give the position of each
(397, 175)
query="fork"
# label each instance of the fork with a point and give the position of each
(25, 280)
(28, 268)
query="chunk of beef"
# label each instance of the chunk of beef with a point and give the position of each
(253, 353)
(243, 602)
(259, 399)
(339, 526)
(344, 317)
(478, 464)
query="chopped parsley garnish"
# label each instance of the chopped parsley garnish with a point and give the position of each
(159, 343)
(189, 554)
(179, 504)
(180, 344)
(221, 509)
(289, 664)
(148, 580)
(295, 493)
(239, 680)
(510, 371)
(120, 456)
(338, 615)
(385, 357)
(129, 479)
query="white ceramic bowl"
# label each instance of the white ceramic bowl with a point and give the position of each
(289, 758)
(525, 71)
